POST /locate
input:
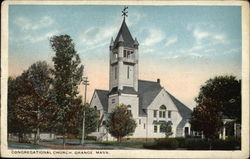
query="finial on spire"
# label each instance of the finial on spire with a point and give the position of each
(125, 12)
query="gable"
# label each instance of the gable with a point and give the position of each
(148, 92)
(163, 99)
(184, 111)
(100, 97)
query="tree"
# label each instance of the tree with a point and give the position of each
(67, 73)
(120, 122)
(91, 119)
(220, 96)
(205, 118)
(167, 128)
(14, 125)
(226, 92)
(33, 108)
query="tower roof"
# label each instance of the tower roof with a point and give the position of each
(125, 35)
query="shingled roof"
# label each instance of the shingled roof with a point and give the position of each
(183, 110)
(125, 90)
(147, 91)
(103, 96)
(125, 35)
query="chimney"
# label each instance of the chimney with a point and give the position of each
(158, 80)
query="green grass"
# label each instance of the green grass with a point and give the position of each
(132, 144)
(18, 145)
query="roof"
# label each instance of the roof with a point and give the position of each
(147, 92)
(184, 111)
(103, 96)
(125, 90)
(182, 123)
(124, 36)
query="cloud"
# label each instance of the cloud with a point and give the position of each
(199, 34)
(135, 17)
(27, 25)
(148, 50)
(171, 41)
(155, 36)
(96, 35)
(34, 39)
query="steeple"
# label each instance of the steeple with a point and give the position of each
(125, 34)
(123, 69)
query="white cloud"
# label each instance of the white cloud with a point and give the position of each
(172, 57)
(135, 17)
(95, 35)
(195, 54)
(34, 39)
(199, 34)
(171, 41)
(26, 24)
(207, 33)
(148, 50)
(155, 36)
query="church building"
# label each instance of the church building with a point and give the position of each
(149, 103)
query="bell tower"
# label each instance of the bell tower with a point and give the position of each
(123, 68)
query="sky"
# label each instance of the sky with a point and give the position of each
(184, 46)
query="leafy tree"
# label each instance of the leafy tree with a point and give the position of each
(205, 118)
(226, 92)
(167, 128)
(67, 73)
(220, 96)
(14, 125)
(120, 122)
(33, 108)
(91, 119)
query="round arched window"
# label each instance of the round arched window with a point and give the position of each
(95, 107)
(162, 111)
(163, 107)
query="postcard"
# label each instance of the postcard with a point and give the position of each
(125, 79)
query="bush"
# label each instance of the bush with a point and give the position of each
(231, 143)
(197, 144)
(162, 144)
(181, 141)
(150, 145)
(167, 143)
(91, 138)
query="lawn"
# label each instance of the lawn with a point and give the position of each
(18, 145)
(75, 144)
(131, 144)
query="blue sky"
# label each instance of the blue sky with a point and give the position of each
(182, 45)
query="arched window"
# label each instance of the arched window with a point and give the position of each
(163, 107)
(95, 107)
(162, 111)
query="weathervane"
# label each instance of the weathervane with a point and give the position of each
(125, 12)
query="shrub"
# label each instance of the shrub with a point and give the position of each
(231, 143)
(167, 143)
(150, 145)
(197, 144)
(181, 142)
(91, 138)
(162, 144)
